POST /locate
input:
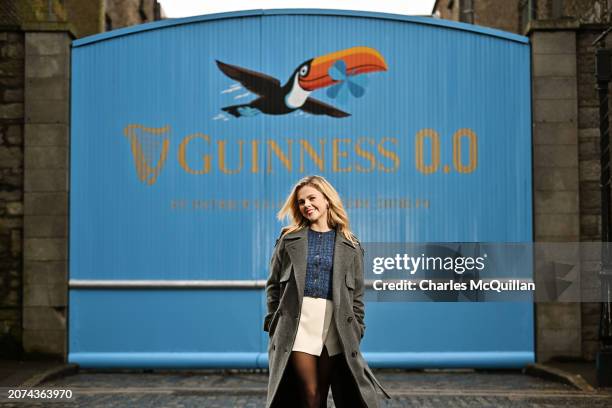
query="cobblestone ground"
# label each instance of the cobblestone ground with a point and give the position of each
(232, 389)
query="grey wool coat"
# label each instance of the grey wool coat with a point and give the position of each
(353, 384)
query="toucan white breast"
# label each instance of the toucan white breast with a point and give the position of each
(296, 98)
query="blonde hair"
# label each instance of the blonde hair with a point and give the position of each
(336, 214)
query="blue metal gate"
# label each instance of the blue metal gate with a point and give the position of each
(422, 125)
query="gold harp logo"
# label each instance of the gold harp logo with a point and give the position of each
(148, 146)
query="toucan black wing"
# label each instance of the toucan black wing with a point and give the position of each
(259, 83)
(319, 108)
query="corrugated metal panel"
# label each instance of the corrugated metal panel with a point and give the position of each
(159, 85)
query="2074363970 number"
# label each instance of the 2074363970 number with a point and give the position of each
(39, 394)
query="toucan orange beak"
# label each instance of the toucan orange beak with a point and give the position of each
(358, 60)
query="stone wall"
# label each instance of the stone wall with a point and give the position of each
(86, 17)
(590, 195)
(34, 162)
(566, 148)
(502, 15)
(555, 175)
(124, 13)
(11, 189)
(587, 11)
(45, 255)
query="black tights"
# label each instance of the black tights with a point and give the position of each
(314, 377)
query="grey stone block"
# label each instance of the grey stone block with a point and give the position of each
(46, 180)
(559, 342)
(555, 110)
(12, 81)
(559, 225)
(11, 315)
(553, 42)
(43, 318)
(555, 156)
(588, 133)
(11, 110)
(590, 170)
(589, 199)
(11, 299)
(590, 283)
(11, 157)
(590, 225)
(15, 36)
(11, 50)
(45, 295)
(58, 294)
(589, 149)
(13, 135)
(590, 252)
(34, 275)
(588, 118)
(14, 208)
(590, 348)
(590, 314)
(555, 133)
(558, 316)
(46, 157)
(35, 295)
(554, 88)
(45, 249)
(557, 238)
(47, 89)
(11, 68)
(45, 341)
(55, 66)
(557, 65)
(47, 43)
(46, 135)
(45, 272)
(13, 95)
(46, 226)
(46, 203)
(8, 223)
(47, 111)
(13, 178)
(555, 178)
(556, 202)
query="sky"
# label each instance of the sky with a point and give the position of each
(185, 8)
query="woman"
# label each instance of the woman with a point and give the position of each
(315, 305)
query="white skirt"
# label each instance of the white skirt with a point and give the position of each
(316, 328)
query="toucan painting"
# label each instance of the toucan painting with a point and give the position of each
(313, 74)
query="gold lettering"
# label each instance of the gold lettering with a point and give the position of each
(337, 154)
(473, 150)
(182, 156)
(365, 154)
(318, 160)
(388, 154)
(419, 143)
(221, 144)
(255, 156)
(273, 147)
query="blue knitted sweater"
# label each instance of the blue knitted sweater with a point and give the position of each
(319, 264)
